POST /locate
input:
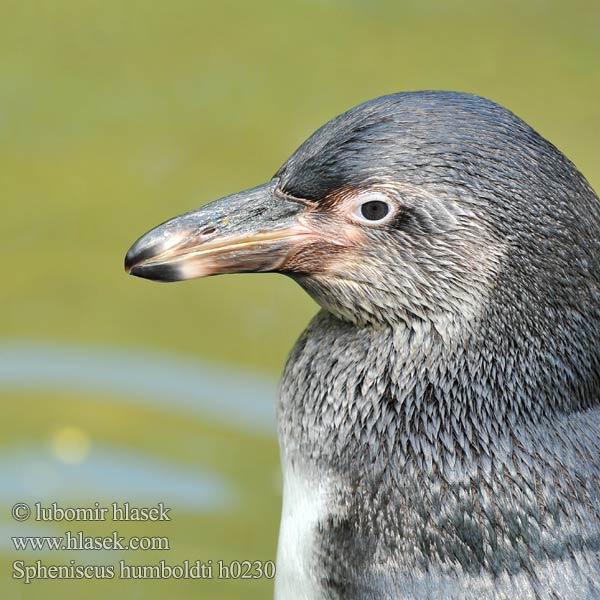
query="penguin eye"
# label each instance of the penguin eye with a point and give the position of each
(374, 210)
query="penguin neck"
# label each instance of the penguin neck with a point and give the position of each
(397, 444)
(406, 397)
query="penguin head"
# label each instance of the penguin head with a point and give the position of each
(408, 208)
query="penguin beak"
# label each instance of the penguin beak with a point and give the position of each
(252, 231)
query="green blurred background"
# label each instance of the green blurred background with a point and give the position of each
(117, 115)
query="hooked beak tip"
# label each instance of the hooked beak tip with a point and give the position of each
(163, 272)
(137, 263)
(129, 264)
(135, 257)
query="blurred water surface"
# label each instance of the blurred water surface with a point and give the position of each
(117, 115)
(190, 386)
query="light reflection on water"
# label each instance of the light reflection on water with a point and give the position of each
(73, 470)
(186, 385)
(107, 475)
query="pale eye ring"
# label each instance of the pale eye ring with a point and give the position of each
(373, 208)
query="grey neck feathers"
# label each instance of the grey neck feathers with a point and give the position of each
(414, 398)
(477, 459)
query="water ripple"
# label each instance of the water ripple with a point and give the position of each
(182, 384)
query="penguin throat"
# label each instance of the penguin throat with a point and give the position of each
(367, 395)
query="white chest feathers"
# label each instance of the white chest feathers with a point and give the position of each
(307, 501)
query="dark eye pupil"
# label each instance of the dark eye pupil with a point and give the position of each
(374, 210)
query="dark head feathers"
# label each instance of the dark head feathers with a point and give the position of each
(430, 137)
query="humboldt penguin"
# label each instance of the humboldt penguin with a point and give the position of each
(439, 418)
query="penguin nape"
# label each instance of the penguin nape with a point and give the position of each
(439, 419)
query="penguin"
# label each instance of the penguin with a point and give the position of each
(439, 419)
